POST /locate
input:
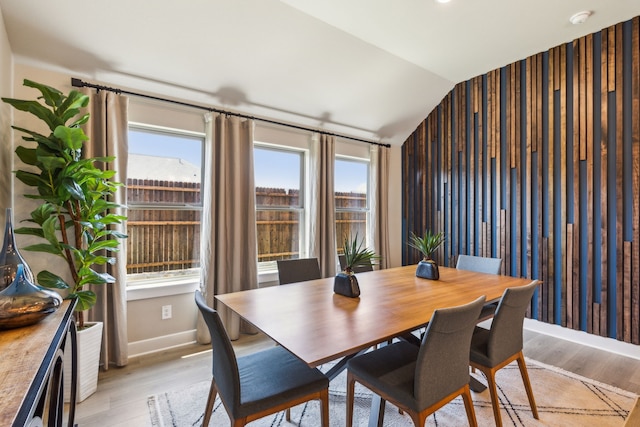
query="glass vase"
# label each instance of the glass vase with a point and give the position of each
(10, 257)
(23, 303)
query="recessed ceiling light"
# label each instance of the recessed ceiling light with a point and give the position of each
(580, 17)
(443, 1)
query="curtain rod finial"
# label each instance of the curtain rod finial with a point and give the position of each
(76, 82)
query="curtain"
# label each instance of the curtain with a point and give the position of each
(229, 252)
(322, 204)
(380, 203)
(107, 131)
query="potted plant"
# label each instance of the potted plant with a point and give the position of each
(73, 215)
(356, 254)
(427, 245)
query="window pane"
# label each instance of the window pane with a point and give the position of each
(278, 234)
(351, 194)
(164, 200)
(166, 160)
(279, 204)
(277, 175)
(163, 241)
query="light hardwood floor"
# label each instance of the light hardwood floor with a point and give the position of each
(121, 398)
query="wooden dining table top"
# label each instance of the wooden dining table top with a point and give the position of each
(318, 326)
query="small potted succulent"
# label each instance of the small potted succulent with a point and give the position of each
(356, 254)
(427, 245)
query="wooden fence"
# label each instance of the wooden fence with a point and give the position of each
(169, 239)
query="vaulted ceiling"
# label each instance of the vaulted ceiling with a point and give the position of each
(366, 68)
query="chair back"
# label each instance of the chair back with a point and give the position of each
(505, 336)
(298, 270)
(225, 364)
(479, 264)
(358, 269)
(442, 366)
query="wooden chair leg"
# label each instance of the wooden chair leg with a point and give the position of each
(287, 414)
(468, 406)
(210, 400)
(351, 382)
(324, 406)
(527, 385)
(495, 400)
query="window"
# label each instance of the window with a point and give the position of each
(351, 182)
(279, 178)
(164, 204)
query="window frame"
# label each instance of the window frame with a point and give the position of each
(191, 275)
(267, 267)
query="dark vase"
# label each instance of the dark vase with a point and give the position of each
(23, 303)
(428, 270)
(347, 285)
(10, 257)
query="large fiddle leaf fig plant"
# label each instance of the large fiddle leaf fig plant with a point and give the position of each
(73, 216)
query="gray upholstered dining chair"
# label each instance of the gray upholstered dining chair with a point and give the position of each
(298, 270)
(358, 269)
(481, 264)
(259, 384)
(421, 379)
(492, 349)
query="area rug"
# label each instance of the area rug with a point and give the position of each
(563, 399)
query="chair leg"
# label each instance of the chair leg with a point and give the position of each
(287, 414)
(210, 400)
(495, 400)
(527, 385)
(468, 406)
(324, 406)
(351, 383)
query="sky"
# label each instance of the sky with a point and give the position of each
(272, 168)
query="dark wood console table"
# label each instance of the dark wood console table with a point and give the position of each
(32, 369)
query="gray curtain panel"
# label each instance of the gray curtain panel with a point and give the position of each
(322, 242)
(380, 204)
(229, 252)
(107, 130)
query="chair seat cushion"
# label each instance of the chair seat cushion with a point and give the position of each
(390, 369)
(479, 348)
(274, 376)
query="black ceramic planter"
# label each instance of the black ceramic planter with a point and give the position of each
(347, 285)
(428, 270)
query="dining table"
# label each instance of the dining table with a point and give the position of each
(319, 326)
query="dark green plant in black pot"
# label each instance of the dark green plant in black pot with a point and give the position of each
(356, 254)
(75, 194)
(427, 245)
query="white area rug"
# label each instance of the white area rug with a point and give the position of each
(563, 399)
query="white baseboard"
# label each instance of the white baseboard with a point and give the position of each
(580, 337)
(165, 342)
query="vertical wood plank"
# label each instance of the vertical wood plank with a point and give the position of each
(619, 185)
(635, 140)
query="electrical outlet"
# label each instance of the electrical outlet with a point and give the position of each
(166, 312)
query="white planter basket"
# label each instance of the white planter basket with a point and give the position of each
(89, 345)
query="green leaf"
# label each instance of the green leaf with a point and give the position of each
(27, 155)
(73, 189)
(29, 178)
(30, 231)
(50, 95)
(73, 138)
(49, 229)
(43, 247)
(51, 163)
(50, 280)
(86, 299)
(35, 108)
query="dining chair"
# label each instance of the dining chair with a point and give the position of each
(359, 269)
(298, 270)
(259, 384)
(481, 264)
(493, 349)
(419, 380)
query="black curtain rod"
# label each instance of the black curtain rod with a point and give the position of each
(79, 83)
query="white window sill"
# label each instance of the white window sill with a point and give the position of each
(163, 289)
(148, 289)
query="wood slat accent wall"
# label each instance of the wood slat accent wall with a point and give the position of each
(538, 163)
